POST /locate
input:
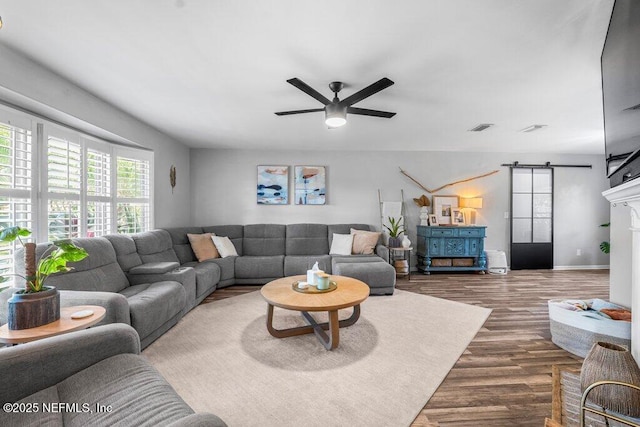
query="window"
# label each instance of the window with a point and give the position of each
(64, 183)
(98, 193)
(85, 187)
(15, 185)
(134, 189)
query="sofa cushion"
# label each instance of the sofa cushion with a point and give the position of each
(153, 304)
(227, 266)
(99, 271)
(307, 239)
(356, 259)
(126, 252)
(263, 240)
(207, 277)
(202, 246)
(364, 242)
(235, 233)
(155, 246)
(256, 267)
(180, 241)
(127, 382)
(224, 246)
(341, 244)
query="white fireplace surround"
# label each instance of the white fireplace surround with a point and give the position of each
(628, 194)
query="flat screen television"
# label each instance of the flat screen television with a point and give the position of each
(621, 92)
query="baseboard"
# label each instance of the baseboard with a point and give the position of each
(581, 267)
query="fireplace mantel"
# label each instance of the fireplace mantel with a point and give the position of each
(628, 194)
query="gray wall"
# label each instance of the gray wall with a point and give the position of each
(224, 192)
(621, 240)
(34, 87)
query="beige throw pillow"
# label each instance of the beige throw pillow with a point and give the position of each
(364, 242)
(224, 246)
(203, 246)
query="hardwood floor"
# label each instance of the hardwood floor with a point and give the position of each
(504, 376)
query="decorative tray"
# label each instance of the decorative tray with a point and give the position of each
(311, 289)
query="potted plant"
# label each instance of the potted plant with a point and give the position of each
(395, 231)
(37, 304)
(605, 246)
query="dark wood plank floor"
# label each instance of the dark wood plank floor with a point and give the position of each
(504, 376)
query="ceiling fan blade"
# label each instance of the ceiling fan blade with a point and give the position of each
(376, 87)
(286, 113)
(308, 90)
(367, 112)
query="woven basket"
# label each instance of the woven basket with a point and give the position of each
(579, 341)
(608, 361)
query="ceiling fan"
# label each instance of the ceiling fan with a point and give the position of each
(336, 111)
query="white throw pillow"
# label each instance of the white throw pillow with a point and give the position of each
(341, 244)
(224, 246)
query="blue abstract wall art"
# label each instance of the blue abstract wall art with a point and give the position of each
(273, 185)
(310, 185)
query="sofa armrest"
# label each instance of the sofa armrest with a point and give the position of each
(383, 252)
(154, 268)
(116, 304)
(34, 366)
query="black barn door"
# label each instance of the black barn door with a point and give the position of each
(531, 218)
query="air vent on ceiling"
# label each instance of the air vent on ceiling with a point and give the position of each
(635, 107)
(481, 127)
(532, 128)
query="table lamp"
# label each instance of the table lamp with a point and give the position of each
(469, 207)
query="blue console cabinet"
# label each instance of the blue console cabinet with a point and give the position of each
(447, 245)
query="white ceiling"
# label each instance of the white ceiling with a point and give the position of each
(212, 73)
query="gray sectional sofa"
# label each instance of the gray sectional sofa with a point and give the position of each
(150, 280)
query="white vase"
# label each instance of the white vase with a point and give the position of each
(424, 215)
(406, 243)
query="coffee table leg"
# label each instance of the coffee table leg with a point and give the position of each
(330, 341)
(284, 333)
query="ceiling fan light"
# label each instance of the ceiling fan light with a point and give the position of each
(335, 122)
(335, 116)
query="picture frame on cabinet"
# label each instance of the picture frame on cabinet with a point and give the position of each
(433, 220)
(457, 216)
(442, 208)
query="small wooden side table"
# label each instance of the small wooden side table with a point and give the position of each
(61, 326)
(406, 256)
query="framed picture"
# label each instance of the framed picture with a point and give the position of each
(310, 185)
(457, 216)
(442, 206)
(273, 185)
(433, 220)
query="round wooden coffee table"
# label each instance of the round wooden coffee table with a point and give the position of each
(61, 326)
(350, 293)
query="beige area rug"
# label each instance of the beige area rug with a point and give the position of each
(221, 359)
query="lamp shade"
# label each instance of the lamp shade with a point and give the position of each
(606, 361)
(335, 115)
(472, 202)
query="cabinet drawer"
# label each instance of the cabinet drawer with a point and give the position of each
(471, 232)
(442, 233)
